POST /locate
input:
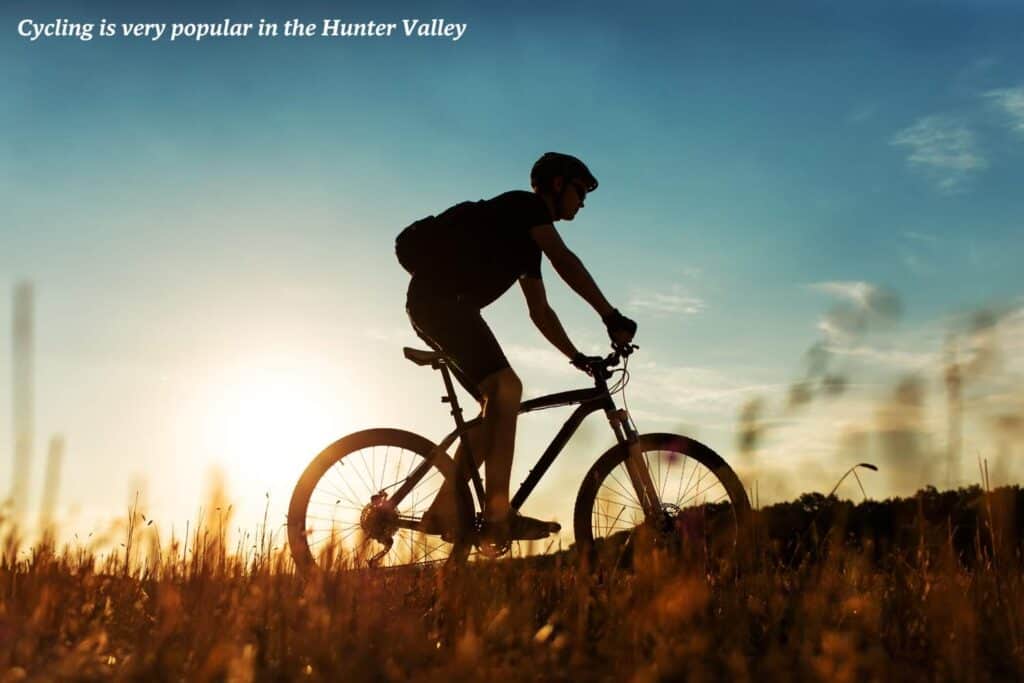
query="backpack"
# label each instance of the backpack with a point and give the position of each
(428, 242)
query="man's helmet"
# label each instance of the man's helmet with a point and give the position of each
(553, 164)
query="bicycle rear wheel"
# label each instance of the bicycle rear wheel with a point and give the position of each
(700, 504)
(342, 512)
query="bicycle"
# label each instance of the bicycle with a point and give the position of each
(355, 506)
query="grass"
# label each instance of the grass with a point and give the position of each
(928, 587)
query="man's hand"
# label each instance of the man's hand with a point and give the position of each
(585, 363)
(620, 328)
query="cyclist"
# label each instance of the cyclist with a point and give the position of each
(463, 260)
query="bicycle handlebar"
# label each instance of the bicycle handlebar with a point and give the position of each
(601, 369)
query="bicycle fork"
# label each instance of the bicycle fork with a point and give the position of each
(636, 466)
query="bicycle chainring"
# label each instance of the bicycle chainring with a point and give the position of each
(490, 549)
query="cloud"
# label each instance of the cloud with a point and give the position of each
(674, 302)
(856, 292)
(917, 265)
(923, 237)
(544, 359)
(895, 358)
(1011, 102)
(862, 113)
(710, 390)
(862, 306)
(395, 336)
(944, 149)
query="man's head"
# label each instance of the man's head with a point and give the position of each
(563, 181)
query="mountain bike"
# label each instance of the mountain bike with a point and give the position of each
(360, 502)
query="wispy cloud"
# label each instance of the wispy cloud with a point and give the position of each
(705, 388)
(891, 357)
(862, 306)
(917, 265)
(1011, 102)
(542, 358)
(674, 302)
(862, 113)
(923, 237)
(856, 292)
(395, 336)
(945, 149)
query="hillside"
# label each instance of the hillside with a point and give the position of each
(929, 586)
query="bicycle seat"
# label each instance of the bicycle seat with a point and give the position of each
(420, 357)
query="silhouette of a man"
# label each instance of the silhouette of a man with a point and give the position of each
(461, 262)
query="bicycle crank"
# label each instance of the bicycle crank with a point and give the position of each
(490, 548)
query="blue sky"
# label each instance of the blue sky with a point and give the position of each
(208, 221)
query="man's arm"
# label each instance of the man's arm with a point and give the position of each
(570, 268)
(544, 318)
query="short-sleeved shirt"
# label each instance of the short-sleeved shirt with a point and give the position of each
(486, 254)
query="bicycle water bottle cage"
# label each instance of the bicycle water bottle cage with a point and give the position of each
(419, 357)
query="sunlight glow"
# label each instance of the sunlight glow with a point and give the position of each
(267, 418)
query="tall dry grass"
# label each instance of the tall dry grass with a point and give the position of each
(928, 587)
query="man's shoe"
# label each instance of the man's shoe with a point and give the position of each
(518, 528)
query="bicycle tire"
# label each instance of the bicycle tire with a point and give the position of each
(354, 488)
(597, 521)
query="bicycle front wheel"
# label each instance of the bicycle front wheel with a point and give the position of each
(695, 501)
(344, 512)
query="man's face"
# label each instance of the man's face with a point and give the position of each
(573, 195)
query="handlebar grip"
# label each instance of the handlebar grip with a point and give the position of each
(623, 350)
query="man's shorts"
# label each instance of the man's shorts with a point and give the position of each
(457, 330)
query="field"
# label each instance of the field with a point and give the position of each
(923, 588)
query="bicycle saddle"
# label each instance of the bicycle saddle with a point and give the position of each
(420, 357)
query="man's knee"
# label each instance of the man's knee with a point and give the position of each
(503, 387)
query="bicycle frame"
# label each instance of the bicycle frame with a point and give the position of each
(587, 400)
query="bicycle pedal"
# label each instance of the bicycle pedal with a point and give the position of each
(536, 531)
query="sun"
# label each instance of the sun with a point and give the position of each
(266, 418)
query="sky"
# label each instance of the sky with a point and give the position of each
(209, 230)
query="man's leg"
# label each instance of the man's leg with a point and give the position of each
(502, 392)
(443, 507)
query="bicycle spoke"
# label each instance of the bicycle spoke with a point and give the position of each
(616, 507)
(682, 474)
(369, 473)
(679, 497)
(378, 477)
(607, 515)
(611, 526)
(700, 492)
(625, 490)
(342, 495)
(331, 536)
(664, 482)
(367, 487)
(323, 519)
(655, 476)
(345, 481)
(696, 485)
(352, 505)
(631, 507)
(429, 496)
(408, 472)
